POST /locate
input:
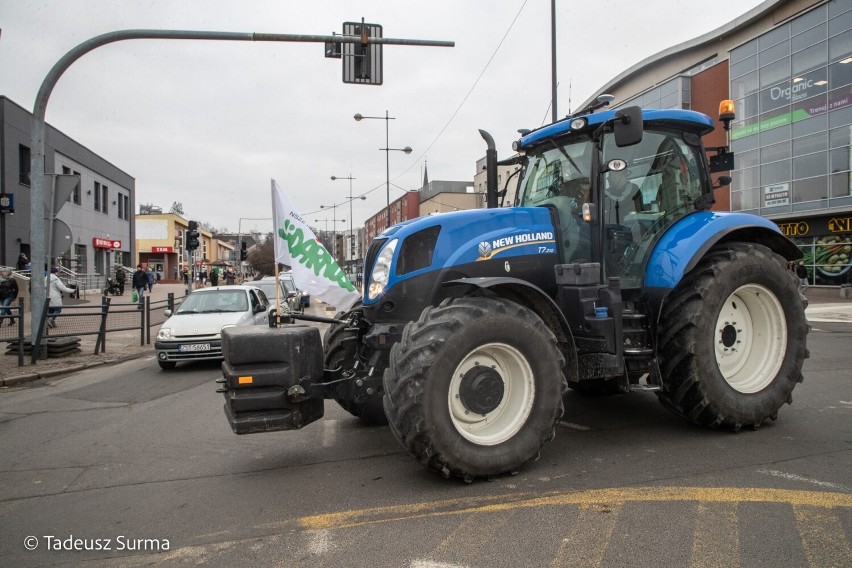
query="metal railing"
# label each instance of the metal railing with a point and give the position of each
(85, 319)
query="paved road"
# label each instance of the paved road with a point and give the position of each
(145, 460)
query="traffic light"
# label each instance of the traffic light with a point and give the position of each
(243, 251)
(362, 61)
(192, 236)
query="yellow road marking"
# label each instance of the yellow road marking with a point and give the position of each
(494, 504)
(716, 539)
(587, 542)
(823, 537)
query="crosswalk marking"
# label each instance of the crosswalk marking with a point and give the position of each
(585, 545)
(716, 539)
(823, 537)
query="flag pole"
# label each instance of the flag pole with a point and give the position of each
(277, 297)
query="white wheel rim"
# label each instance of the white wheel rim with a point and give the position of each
(750, 338)
(514, 408)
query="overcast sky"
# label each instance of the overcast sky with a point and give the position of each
(208, 124)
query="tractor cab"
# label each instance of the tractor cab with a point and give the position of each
(613, 195)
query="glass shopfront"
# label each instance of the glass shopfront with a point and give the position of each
(793, 138)
(826, 245)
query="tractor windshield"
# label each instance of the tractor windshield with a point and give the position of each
(559, 177)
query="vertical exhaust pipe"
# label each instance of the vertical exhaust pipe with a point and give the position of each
(491, 171)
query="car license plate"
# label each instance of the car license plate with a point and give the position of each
(194, 347)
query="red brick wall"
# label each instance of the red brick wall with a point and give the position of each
(708, 89)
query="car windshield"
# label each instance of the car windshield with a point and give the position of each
(231, 300)
(289, 285)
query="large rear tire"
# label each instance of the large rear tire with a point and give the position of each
(340, 346)
(732, 338)
(474, 388)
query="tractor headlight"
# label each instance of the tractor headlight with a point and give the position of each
(164, 334)
(381, 270)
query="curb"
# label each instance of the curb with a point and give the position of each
(52, 373)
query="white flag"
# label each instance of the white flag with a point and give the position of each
(314, 268)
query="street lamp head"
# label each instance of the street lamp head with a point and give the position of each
(358, 116)
(407, 149)
(363, 198)
(333, 178)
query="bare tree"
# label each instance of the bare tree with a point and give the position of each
(262, 257)
(177, 208)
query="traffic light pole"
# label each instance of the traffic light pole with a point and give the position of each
(37, 171)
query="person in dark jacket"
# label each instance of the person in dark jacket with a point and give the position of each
(120, 277)
(8, 294)
(140, 282)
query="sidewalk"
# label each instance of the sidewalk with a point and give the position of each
(825, 306)
(120, 345)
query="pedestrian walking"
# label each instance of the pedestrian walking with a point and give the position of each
(22, 263)
(186, 277)
(802, 273)
(8, 294)
(120, 277)
(214, 277)
(55, 289)
(230, 277)
(204, 277)
(139, 282)
(151, 279)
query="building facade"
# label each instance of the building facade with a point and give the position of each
(401, 209)
(445, 196)
(93, 229)
(504, 175)
(787, 64)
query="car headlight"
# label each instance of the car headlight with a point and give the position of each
(381, 270)
(165, 333)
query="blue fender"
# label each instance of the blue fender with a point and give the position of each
(687, 241)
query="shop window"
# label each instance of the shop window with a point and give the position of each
(838, 159)
(840, 137)
(744, 51)
(841, 184)
(774, 134)
(810, 189)
(748, 159)
(808, 38)
(810, 58)
(777, 35)
(810, 144)
(745, 85)
(807, 21)
(747, 65)
(840, 46)
(810, 165)
(840, 23)
(774, 173)
(840, 117)
(750, 177)
(744, 200)
(774, 152)
(774, 53)
(839, 73)
(810, 125)
(775, 73)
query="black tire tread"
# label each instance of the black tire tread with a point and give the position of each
(412, 358)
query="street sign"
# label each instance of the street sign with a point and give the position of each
(7, 203)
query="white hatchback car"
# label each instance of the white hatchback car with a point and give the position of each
(194, 331)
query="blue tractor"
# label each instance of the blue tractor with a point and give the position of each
(609, 274)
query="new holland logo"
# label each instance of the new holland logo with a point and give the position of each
(544, 239)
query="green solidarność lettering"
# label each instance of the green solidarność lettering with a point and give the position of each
(313, 256)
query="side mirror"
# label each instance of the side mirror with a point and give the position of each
(167, 313)
(722, 181)
(628, 126)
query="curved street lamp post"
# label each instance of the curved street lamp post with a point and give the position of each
(362, 197)
(387, 149)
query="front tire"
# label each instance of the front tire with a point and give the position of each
(340, 345)
(474, 388)
(732, 339)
